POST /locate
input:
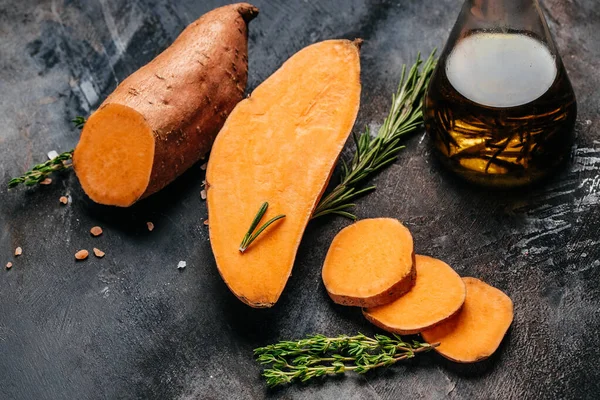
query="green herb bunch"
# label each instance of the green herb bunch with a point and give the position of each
(318, 355)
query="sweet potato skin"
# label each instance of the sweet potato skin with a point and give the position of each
(186, 93)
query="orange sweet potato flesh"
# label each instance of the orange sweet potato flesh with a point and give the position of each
(477, 330)
(370, 263)
(279, 146)
(437, 295)
(164, 117)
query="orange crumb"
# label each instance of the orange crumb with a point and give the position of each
(98, 253)
(81, 255)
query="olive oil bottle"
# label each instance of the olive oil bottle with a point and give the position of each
(500, 108)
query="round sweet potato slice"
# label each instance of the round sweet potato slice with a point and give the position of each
(437, 295)
(370, 263)
(477, 330)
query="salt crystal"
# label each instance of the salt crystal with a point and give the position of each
(181, 265)
(52, 155)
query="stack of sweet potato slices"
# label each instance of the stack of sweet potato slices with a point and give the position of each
(371, 264)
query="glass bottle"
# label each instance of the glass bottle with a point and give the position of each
(500, 108)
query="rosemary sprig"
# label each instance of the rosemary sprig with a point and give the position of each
(249, 237)
(318, 355)
(374, 153)
(41, 171)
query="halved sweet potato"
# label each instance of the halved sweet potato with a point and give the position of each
(437, 295)
(477, 330)
(160, 120)
(370, 263)
(279, 146)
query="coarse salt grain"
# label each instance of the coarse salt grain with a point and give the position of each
(8, 265)
(46, 181)
(18, 251)
(63, 200)
(98, 253)
(181, 265)
(81, 255)
(96, 231)
(203, 194)
(150, 226)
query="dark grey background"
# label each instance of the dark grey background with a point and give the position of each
(132, 326)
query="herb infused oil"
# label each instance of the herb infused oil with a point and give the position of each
(500, 109)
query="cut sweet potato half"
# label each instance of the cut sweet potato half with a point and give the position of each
(370, 263)
(477, 330)
(437, 295)
(160, 120)
(279, 146)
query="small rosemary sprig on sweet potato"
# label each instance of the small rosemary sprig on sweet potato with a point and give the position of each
(374, 153)
(250, 236)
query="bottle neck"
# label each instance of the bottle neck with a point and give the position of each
(502, 10)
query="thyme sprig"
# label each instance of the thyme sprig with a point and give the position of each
(250, 236)
(318, 355)
(41, 171)
(374, 153)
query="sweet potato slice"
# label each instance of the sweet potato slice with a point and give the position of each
(370, 263)
(476, 331)
(165, 116)
(279, 146)
(437, 295)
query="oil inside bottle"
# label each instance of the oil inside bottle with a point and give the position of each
(500, 109)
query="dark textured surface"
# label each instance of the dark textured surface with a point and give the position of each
(132, 326)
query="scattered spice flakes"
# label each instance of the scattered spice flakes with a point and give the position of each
(64, 200)
(46, 181)
(150, 226)
(206, 222)
(203, 194)
(181, 265)
(98, 253)
(18, 251)
(96, 231)
(81, 255)
(8, 265)
(203, 166)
